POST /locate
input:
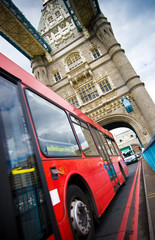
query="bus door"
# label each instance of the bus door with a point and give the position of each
(26, 210)
(107, 163)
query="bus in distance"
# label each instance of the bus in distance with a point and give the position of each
(128, 154)
(59, 168)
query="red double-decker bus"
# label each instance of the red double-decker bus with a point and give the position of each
(59, 169)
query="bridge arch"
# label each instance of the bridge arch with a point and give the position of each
(121, 120)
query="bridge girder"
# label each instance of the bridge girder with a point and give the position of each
(14, 29)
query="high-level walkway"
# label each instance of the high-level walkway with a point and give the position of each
(16, 29)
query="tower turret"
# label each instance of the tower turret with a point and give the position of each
(136, 87)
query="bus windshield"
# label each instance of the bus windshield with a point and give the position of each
(128, 154)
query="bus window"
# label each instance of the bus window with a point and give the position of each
(85, 137)
(52, 126)
(105, 143)
(99, 143)
(99, 138)
(111, 146)
(115, 147)
(25, 183)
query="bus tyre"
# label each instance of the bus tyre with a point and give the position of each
(80, 214)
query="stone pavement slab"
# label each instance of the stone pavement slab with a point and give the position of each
(149, 185)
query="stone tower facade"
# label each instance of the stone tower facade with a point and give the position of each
(90, 70)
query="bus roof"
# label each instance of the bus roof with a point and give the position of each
(28, 80)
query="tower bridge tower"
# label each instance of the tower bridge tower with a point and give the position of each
(89, 68)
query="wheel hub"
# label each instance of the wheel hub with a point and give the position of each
(80, 217)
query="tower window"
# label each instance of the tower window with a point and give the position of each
(95, 53)
(88, 92)
(58, 15)
(74, 101)
(74, 60)
(57, 76)
(105, 86)
(51, 20)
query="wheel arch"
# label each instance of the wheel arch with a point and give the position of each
(78, 180)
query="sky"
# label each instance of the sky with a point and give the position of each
(133, 24)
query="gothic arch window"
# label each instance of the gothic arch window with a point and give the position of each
(74, 60)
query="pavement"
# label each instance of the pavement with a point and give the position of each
(149, 186)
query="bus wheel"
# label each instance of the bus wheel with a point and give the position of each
(80, 214)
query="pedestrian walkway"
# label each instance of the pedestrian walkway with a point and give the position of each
(149, 185)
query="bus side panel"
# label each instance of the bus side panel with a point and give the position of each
(65, 230)
(97, 182)
(51, 237)
(118, 172)
(116, 160)
(105, 195)
(125, 168)
(56, 190)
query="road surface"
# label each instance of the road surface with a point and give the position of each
(126, 216)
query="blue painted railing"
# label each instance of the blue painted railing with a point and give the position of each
(149, 153)
(73, 15)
